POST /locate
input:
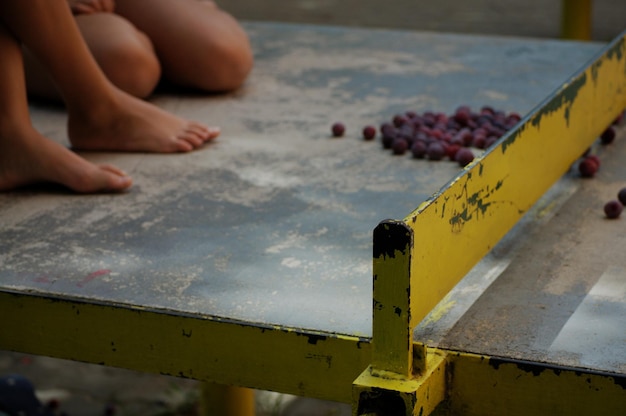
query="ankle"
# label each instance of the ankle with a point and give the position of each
(94, 112)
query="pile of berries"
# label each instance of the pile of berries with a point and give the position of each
(436, 136)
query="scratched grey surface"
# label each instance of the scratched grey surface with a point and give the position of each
(272, 224)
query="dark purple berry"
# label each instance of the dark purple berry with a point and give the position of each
(399, 146)
(480, 142)
(613, 209)
(436, 151)
(595, 158)
(419, 149)
(621, 195)
(490, 141)
(587, 168)
(369, 132)
(607, 136)
(452, 150)
(462, 117)
(514, 117)
(487, 110)
(464, 156)
(400, 120)
(338, 129)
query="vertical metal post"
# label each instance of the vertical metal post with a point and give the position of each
(576, 19)
(221, 400)
(392, 332)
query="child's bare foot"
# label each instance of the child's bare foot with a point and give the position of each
(26, 158)
(130, 124)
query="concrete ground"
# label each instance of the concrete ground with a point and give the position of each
(87, 390)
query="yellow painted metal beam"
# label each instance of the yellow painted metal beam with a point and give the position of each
(233, 353)
(480, 385)
(576, 19)
(393, 242)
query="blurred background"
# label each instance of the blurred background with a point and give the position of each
(527, 18)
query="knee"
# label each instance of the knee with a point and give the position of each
(224, 64)
(125, 54)
(134, 67)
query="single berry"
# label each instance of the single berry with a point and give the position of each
(399, 120)
(399, 146)
(621, 195)
(436, 151)
(595, 158)
(607, 135)
(587, 168)
(464, 156)
(451, 151)
(613, 209)
(480, 142)
(419, 149)
(369, 132)
(462, 117)
(338, 129)
(513, 118)
(487, 110)
(490, 141)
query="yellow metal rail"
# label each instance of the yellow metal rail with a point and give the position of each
(226, 352)
(480, 385)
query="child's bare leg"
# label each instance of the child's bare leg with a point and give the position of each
(198, 44)
(26, 157)
(124, 54)
(101, 117)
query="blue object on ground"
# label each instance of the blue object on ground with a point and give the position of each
(17, 397)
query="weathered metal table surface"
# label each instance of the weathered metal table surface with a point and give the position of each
(272, 224)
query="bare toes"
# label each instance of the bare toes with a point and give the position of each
(102, 178)
(214, 132)
(113, 169)
(202, 131)
(195, 141)
(183, 146)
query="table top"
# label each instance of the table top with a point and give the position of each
(272, 224)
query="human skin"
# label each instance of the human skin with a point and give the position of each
(100, 115)
(138, 43)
